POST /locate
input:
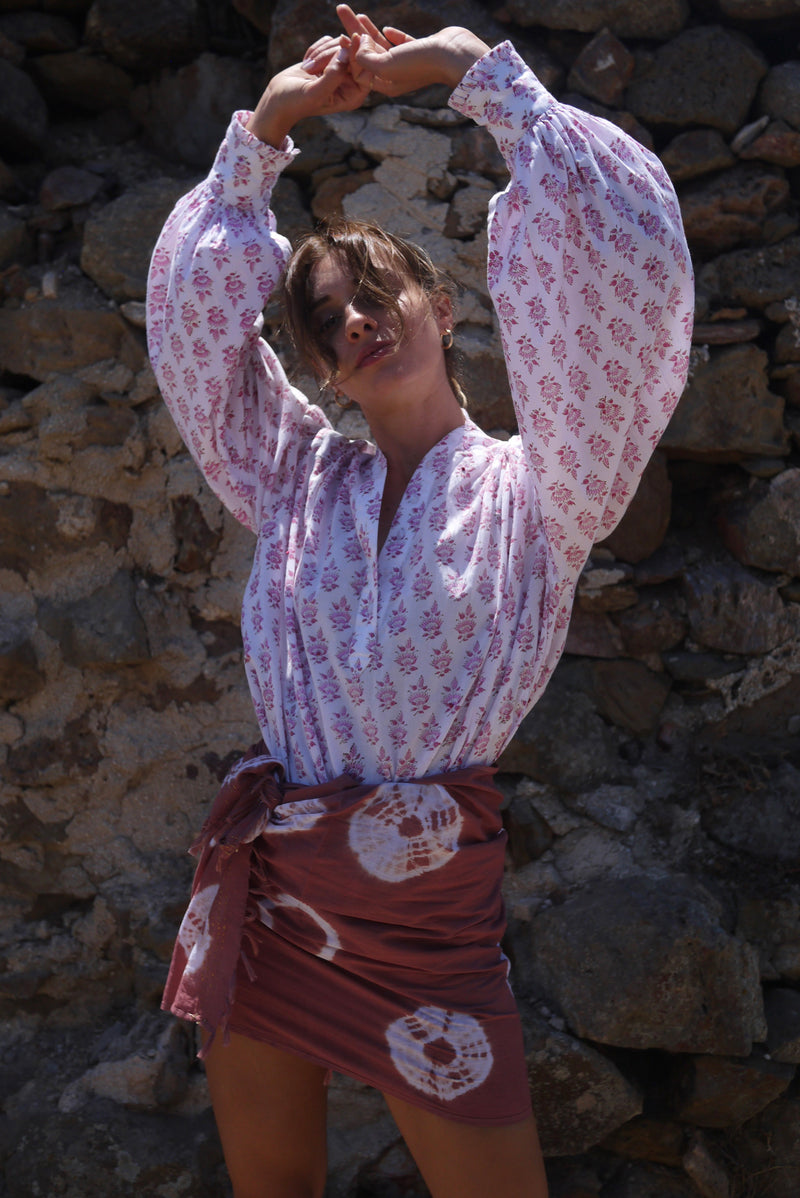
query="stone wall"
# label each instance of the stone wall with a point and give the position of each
(652, 796)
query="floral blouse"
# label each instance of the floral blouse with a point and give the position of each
(425, 657)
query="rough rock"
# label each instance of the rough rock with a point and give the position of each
(186, 112)
(727, 409)
(754, 278)
(760, 523)
(758, 10)
(769, 1147)
(529, 834)
(104, 628)
(20, 676)
(639, 963)
(118, 241)
(629, 694)
(733, 208)
(704, 76)
(603, 69)
(782, 1009)
(143, 37)
(730, 609)
(564, 739)
(644, 525)
(725, 1091)
(626, 18)
(649, 1181)
(648, 1139)
(702, 1164)
(780, 93)
(474, 149)
(578, 1094)
(67, 187)
(653, 625)
(696, 152)
(23, 112)
(82, 80)
(39, 32)
(768, 829)
(726, 332)
(13, 238)
(777, 144)
(592, 634)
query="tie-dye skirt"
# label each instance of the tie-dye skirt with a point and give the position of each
(359, 927)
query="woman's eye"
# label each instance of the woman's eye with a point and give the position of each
(327, 324)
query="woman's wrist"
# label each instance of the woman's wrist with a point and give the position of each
(460, 56)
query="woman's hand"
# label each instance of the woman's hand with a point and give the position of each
(320, 85)
(394, 62)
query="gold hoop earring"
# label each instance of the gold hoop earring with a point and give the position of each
(344, 406)
(447, 339)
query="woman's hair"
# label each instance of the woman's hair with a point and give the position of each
(375, 259)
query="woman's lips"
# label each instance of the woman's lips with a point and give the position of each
(374, 353)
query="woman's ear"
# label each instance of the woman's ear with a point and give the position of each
(442, 307)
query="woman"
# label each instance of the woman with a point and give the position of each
(408, 600)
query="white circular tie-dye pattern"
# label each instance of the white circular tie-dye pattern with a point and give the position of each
(331, 942)
(404, 831)
(442, 1053)
(193, 935)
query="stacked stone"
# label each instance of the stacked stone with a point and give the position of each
(652, 796)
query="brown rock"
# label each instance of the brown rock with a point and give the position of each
(528, 832)
(81, 80)
(712, 1091)
(39, 32)
(645, 964)
(652, 625)
(769, 831)
(696, 152)
(780, 93)
(474, 149)
(485, 381)
(732, 610)
(648, 1140)
(626, 18)
(328, 196)
(732, 208)
(726, 410)
(600, 599)
(629, 694)
(782, 1009)
(147, 36)
(14, 240)
(703, 1167)
(760, 524)
(603, 69)
(104, 628)
(118, 242)
(704, 76)
(644, 525)
(787, 343)
(725, 332)
(20, 676)
(67, 187)
(754, 278)
(578, 1094)
(758, 10)
(649, 1181)
(777, 144)
(23, 112)
(592, 634)
(769, 1147)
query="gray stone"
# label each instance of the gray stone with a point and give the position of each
(626, 18)
(732, 610)
(39, 32)
(68, 187)
(764, 825)
(645, 964)
(579, 1096)
(186, 112)
(14, 241)
(782, 1009)
(652, 625)
(780, 93)
(23, 112)
(564, 741)
(733, 208)
(529, 834)
(702, 1165)
(696, 152)
(711, 1091)
(704, 76)
(20, 676)
(143, 37)
(603, 69)
(629, 694)
(118, 242)
(755, 277)
(82, 80)
(104, 628)
(768, 1148)
(649, 1181)
(727, 410)
(759, 10)
(760, 524)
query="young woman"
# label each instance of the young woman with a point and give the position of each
(408, 599)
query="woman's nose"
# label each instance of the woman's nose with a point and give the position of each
(357, 322)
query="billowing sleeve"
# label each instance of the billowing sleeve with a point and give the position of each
(591, 279)
(213, 269)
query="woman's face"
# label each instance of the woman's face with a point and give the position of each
(375, 359)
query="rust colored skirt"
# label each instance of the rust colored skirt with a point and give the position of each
(359, 927)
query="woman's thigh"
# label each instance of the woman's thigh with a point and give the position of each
(460, 1160)
(270, 1108)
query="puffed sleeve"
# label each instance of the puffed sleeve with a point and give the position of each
(591, 279)
(214, 267)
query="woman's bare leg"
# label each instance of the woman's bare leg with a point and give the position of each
(459, 1160)
(270, 1108)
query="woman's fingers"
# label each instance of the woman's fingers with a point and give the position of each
(396, 37)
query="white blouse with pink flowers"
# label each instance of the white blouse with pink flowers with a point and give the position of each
(425, 657)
